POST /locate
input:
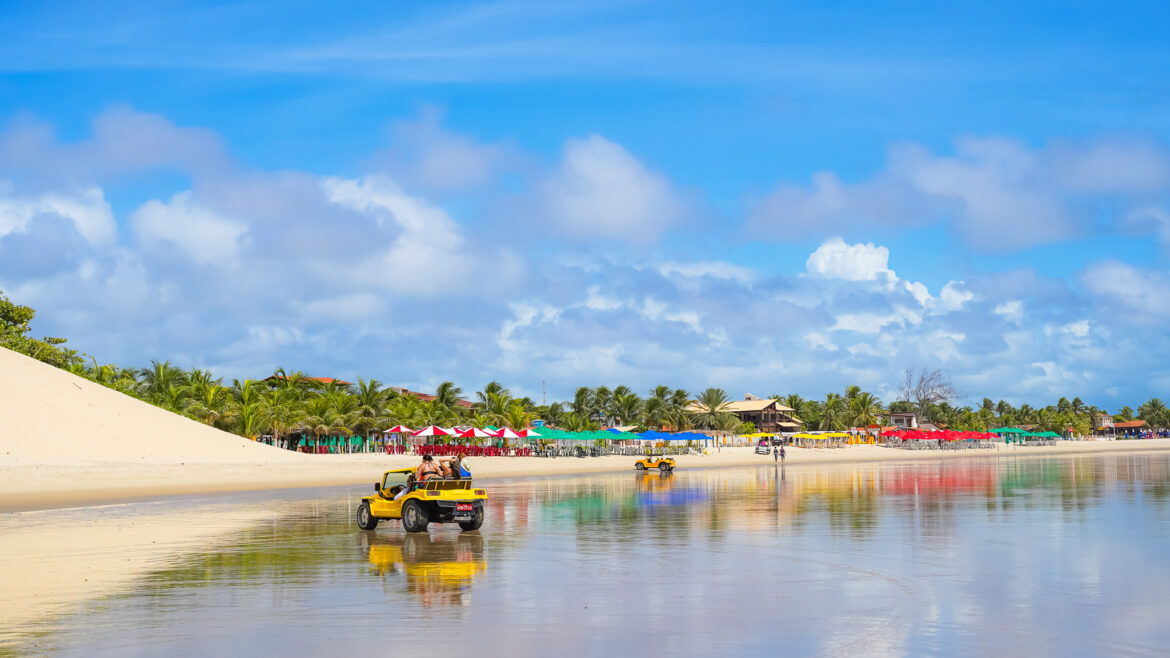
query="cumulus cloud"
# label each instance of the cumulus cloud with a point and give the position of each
(995, 193)
(425, 156)
(205, 237)
(857, 262)
(602, 192)
(1134, 294)
(86, 209)
(123, 141)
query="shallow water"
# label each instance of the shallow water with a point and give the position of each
(1061, 556)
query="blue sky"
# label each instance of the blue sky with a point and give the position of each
(767, 197)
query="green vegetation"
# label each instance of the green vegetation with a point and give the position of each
(290, 405)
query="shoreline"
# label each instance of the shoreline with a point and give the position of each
(34, 486)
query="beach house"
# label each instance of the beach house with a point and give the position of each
(767, 415)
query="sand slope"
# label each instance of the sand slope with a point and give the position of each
(50, 415)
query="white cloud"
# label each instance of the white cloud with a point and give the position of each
(86, 209)
(1139, 295)
(852, 262)
(602, 192)
(426, 156)
(415, 262)
(818, 340)
(998, 194)
(919, 291)
(867, 323)
(1079, 329)
(1012, 310)
(714, 269)
(952, 297)
(1150, 220)
(204, 236)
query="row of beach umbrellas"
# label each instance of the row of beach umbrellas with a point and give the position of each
(945, 435)
(469, 433)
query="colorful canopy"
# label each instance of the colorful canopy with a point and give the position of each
(528, 433)
(1008, 430)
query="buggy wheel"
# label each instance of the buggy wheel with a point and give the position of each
(415, 517)
(663, 466)
(640, 466)
(366, 520)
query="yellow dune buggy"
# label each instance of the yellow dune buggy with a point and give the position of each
(663, 464)
(419, 504)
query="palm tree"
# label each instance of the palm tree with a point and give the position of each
(208, 400)
(554, 415)
(369, 413)
(322, 418)
(516, 417)
(492, 387)
(655, 412)
(582, 403)
(448, 394)
(159, 377)
(726, 422)
(602, 398)
(709, 405)
(285, 413)
(833, 412)
(281, 378)
(627, 406)
(864, 410)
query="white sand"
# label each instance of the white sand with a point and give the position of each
(66, 442)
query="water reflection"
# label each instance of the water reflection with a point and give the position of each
(984, 556)
(438, 570)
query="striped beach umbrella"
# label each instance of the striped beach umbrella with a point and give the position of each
(432, 430)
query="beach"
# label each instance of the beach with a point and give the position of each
(66, 442)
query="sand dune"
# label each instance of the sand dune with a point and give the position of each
(50, 415)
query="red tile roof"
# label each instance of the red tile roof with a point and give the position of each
(1130, 424)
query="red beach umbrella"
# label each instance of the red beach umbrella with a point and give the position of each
(400, 429)
(432, 430)
(473, 433)
(507, 433)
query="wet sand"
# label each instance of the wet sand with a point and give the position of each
(916, 558)
(30, 484)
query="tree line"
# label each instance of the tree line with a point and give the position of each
(290, 405)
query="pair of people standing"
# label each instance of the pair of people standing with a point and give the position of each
(778, 453)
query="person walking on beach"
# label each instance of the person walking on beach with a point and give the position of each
(776, 454)
(782, 452)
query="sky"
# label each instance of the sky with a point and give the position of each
(766, 197)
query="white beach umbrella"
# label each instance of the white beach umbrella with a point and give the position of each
(432, 430)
